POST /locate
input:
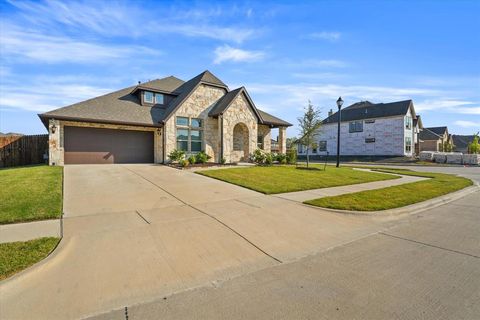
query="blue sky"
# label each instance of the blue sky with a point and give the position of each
(285, 53)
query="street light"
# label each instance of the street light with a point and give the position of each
(339, 105)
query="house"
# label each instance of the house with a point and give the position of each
(460, 142)
(274, 145)
(144, 123)
(434, 138)
(370, 129)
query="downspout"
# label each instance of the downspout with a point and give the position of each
(221, 137)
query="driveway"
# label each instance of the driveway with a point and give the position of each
(134, 233)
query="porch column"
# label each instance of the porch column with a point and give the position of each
(282, 139)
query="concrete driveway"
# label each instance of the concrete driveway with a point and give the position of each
(134, 233)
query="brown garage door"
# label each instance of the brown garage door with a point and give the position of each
(95, 145)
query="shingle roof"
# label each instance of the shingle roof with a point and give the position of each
(224, 103)
(367, 110)
(123, 106)
(268, 119)
(462, 141)
(438, 130)
(426, 134)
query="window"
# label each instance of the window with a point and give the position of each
(158, 98)
(148, 97)
(355, 126)
(322, 146)
(408, 144)
(260, 141)
(408, 122)
(314, 149)
(369, 140)
(189, 134)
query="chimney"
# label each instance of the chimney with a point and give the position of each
(330, 112)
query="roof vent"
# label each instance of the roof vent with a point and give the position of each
(139, 82)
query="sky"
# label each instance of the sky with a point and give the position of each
(53, 54)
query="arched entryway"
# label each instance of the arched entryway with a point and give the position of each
(240, 143)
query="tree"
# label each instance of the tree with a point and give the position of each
(309, 125)
(474, 146)
(447, 147)
(291, 142)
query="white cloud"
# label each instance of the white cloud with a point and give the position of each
(227, 53)
(113, 18)
(467, 124)
(17, 44)
(325, 35)
(41, 94)
(448, 105)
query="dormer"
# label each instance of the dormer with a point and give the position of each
(149, 96)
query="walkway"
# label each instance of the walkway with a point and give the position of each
(29, 230)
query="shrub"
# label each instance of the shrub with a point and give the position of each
(202, 157)
(223, 161)
(281, 158)
(192, 159)
(176, 155)
(291, 156)
(258, 156)
(183, 163)
(268, 159)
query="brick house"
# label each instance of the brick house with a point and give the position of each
(369, 129)
(144, 123)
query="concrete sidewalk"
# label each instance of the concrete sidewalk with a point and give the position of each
(30, 230)
(301, 196)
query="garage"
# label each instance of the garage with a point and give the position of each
(103, 146)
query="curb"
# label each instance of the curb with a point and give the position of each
(413, 208)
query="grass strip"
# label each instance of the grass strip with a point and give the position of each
(17, 256)
(439, 184)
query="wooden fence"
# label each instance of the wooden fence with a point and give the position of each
(23, 150)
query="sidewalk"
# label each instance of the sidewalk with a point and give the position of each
(301, 196)
(29, 230)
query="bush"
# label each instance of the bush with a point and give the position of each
(192, 159)
(281, 158)
(183, 163)
(176, 155)
(223, 161)
(202, 157)
(268, 159)
(258, 156)
(291, 156)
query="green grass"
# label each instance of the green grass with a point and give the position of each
(396, 196)
(16, 256)
(30, 193)
(279, 179)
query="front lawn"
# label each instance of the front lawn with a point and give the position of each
(279, 179)
(30, 193)
(16, 256)
(396, 196)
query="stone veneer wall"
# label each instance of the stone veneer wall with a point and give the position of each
(238, 112)
(56, 140)
(198, 105)
(265, 131)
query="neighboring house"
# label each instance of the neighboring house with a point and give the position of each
(433, 139)
(274, 147)
(460, 143)
(144, 123)
(369, 129)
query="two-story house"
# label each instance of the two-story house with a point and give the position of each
(144, 123)
(369, 129)
(434, 139)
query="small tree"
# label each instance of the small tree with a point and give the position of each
(474, 146)
(309, 125)
(447, 147)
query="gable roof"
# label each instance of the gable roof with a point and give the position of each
(438, 130)
(123, 106)
(427, 134)
(462, 142)
(367, 110)
(264, 118)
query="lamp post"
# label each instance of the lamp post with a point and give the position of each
(339, 105)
